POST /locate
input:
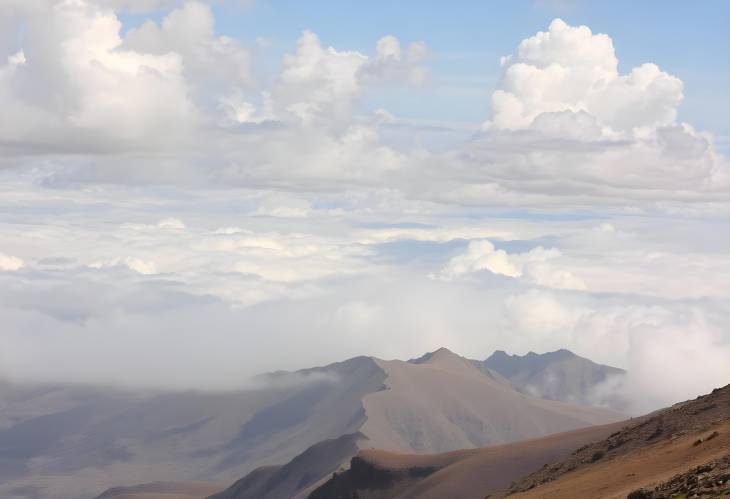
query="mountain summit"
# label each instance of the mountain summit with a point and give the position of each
(559, 375)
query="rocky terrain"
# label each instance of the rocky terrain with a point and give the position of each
(678, 440)
(709, 480)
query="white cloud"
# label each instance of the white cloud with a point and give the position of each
(10, 263)
(571, 69)
(533, 266)
(137, 264)
(280, 214)
(319, 85)
(213, 63)
(92, 89)
(171, 223)
(481, 255)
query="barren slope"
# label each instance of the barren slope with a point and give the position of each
(60, 442)
(443, 402)
(439, 402)
(462, 474)
(641, 454)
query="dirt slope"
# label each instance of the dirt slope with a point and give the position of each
(644, 467)
(444, 402)
(439, 402)
(666, 443)
(302, 471)
(462, 474)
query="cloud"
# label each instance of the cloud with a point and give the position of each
(10, 263)
(137, 264)
(171, 223)
(533, 266)
(211, 63)
(164, 189)
(319, 85)
(571, 69)
(92, 89)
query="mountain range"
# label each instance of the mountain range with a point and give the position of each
(281, 437)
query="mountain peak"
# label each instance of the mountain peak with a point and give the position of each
(437, 356)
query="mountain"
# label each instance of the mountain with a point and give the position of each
(559, 375)
(463, 474)
(286, 432)
(76, 442)
(675, 452)
(437, 403)
(679, 448)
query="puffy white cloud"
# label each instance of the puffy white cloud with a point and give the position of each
(481, 255)
(77, 85)
(213, 63)
(10, 263)
(391, 63)
(171, 223)
(533, 266)
(319, 85)
(137, 264)
(571, 69)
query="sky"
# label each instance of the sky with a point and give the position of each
(195, 192)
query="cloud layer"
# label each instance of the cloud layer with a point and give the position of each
(170, 201)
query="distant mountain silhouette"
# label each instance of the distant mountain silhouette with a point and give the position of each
(559, 375)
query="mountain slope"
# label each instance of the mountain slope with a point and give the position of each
(663, 444)
(443, 402)
(437, 403)
(559, 375)
(301, 472)
(462, 474)
(77, 442)
(683, 450)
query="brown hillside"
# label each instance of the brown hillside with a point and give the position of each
(668, 433)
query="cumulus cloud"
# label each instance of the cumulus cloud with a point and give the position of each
(137, 264)
(90, 83)
(533, 266)
(171, 223)
(213, 63)
(569, 68)
(319, 85)
(10, 263)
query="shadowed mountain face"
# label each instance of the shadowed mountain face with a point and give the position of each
(300, 473)
(560, 375)
(61, 442)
